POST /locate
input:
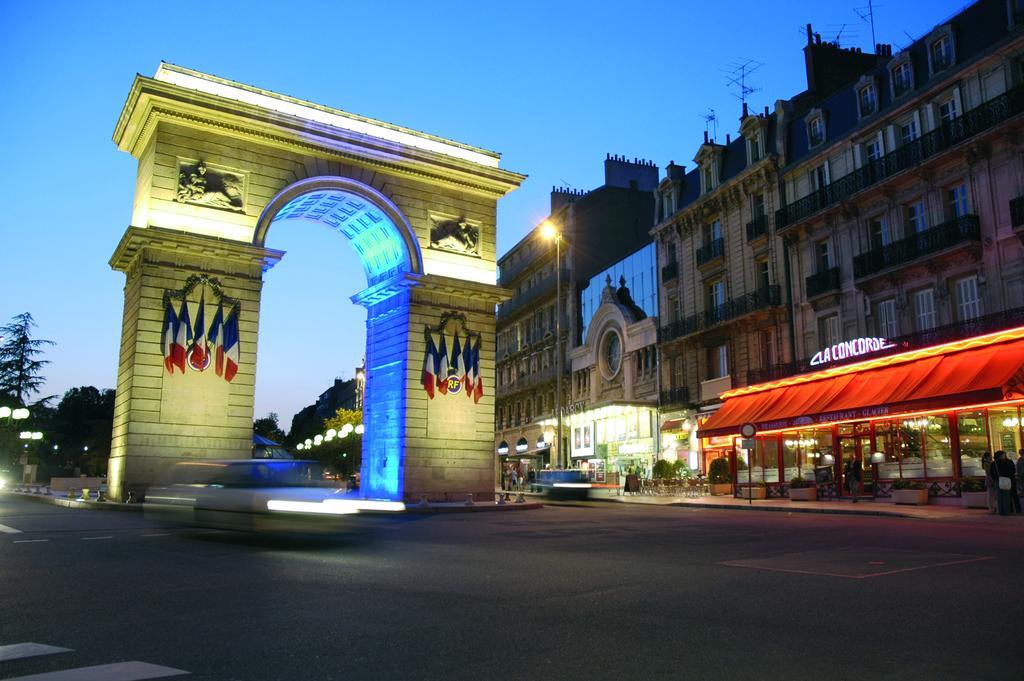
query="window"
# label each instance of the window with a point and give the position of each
(880, 235)
(872, 149)
(868, 100)
(948, 110)
(667, 205)
(716, 295)
(757, 206)
(673, 308)
(815, 131)
(819, 177)
(824, 253)
(677, 372)
(828, 331)
(968, 304)
(942, 53)
(763, 277)
(885, 317)
(718, 361)
(956, 198)
(712, 232)
(754, 148)
(708, 176)
(764, 346)
(902, 79)
(916, 219)
(908, 131)
(924, 309)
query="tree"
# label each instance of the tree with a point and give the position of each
(344, 453)
(268, 427)
(81, 426)
(20, 366)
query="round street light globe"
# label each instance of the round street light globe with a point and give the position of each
(318, 439)
(360, 429)
(548, 230)
(346, 429)
(308, 442)
(5, 412)
(37, 435)
(25, 435)
(328, 437)
(19, 414)
(299, 446)
(331, 433)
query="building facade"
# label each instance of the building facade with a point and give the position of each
(597, 226)
(900, 196)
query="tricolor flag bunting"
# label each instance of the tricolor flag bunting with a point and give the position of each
(169, 334)
(430, 365)
(216, 339)
(232, 351)
(198, 356)
(182, 337)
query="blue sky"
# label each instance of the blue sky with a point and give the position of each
(554, 86)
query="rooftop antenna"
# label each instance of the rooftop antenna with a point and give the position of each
(710, 123)
(739, 72)
(867, 14)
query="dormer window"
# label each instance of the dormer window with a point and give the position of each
(941, 52)
(902, 79)
(707, 175)
(755, 148)
(815, 130)
(867, 99)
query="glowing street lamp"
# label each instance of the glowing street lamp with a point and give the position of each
(360, 429)
(550, 232)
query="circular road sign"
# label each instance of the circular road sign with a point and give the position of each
(748, 430)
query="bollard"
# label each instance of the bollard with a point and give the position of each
(99, 496)
(85, 494)
(501, 499)
(131, 497)
(469, 499)
(423, 501)
(520, 499)
(72, 493)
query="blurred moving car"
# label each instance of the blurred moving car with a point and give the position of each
(256, 495)
(563, 485)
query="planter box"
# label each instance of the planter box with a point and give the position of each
(720, 488)
(754, 492)
(803, 493)
(974, 499)
(912, 497)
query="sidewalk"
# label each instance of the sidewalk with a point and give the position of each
(864, 506)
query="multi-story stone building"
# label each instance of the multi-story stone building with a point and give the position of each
(598, 227)
(900, 223)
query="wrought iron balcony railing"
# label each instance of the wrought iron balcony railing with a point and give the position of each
(769, 296)
(916, 246)
(669, 271)
(675, 397)
(544, 286)
(823, 282)
(910, 155)
(707, 253)
(528, 381)
(757, 227)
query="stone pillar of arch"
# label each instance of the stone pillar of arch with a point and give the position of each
(223, 167)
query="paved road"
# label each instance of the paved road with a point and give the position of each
(578, 592)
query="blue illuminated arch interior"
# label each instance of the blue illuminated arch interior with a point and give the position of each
(381, 246)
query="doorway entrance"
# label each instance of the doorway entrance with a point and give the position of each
(855, 445)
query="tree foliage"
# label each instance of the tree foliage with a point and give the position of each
(268, 427)
(20, 363)
(81, 426)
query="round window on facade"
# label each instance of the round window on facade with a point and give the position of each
(611, 354)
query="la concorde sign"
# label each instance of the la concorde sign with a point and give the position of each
(850, 348)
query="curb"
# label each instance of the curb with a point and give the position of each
(793, 509)
(480, 507)
(78, 503)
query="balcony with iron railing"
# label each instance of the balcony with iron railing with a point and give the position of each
(768, 296)
(963, 229)
(669, 271)
(910, 155)
(527, 381)
(711, 251)
(822, 282)
(674, 397)
(757, 228)
(544, 286)
(508, 272)
(979, 326)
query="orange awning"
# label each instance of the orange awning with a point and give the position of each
(987, 374)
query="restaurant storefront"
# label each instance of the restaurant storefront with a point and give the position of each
(609, 441)
(926, 415)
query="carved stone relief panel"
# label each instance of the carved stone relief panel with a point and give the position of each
(213, 186)
(455, 234)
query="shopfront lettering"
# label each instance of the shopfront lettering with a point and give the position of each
(850, 348)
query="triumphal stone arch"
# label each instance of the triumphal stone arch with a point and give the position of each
(221, 167)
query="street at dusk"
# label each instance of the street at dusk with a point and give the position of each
(602, 591)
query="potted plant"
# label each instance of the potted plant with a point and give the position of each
(802, 490)
(973, 494)
(662, 470)
(758, 490)
(912, 492)
(719, 478)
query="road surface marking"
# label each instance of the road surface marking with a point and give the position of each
(16, 651)
(29, 541)
(160, 534)
(88, 538)
(120, 671)
(7, 529)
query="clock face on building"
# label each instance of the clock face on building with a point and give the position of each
(612, 353)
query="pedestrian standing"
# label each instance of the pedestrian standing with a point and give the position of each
(853, 474)
(1004, 473)
(515, 480)
(1015, 487)
(991, 486)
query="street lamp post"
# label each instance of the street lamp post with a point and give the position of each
(550, 232)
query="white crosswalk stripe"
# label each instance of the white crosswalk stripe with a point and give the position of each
(119, 671)
(16, 651)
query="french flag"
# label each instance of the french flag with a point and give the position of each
(182, 337)
(429, 366)
(468, 372)
(170, 333)
(197, 354)
(478, 388)
(442, 367)
(216, 336)
(456, 361)
(231, 347)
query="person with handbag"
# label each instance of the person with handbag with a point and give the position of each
(1004, 473)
